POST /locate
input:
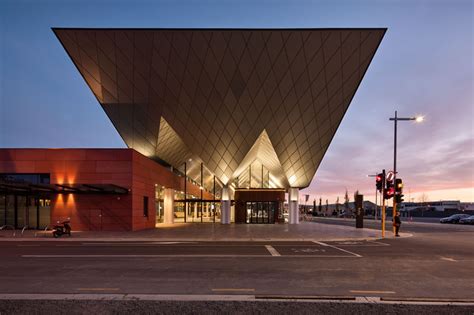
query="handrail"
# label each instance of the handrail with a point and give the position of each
(5, 226)
(45, 229)
(23, 230)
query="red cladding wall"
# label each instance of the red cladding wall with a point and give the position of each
(123, 167)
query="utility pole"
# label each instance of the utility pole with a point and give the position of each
(383, 204)
(395, 120)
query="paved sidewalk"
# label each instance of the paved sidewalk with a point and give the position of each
(306, 231)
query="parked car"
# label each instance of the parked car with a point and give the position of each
(453, 218)
(467, 220)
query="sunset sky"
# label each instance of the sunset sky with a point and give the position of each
(424, 66)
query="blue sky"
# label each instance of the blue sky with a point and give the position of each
(423, 66)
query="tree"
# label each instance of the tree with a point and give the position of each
(320, 209)
(327, 206)
(314, 207)
(337, 204)
(346, 202)
(424, 197)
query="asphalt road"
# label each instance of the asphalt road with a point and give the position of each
(435, 264)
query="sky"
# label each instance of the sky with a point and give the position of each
(424, 66)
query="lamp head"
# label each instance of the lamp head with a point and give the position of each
(419, 119)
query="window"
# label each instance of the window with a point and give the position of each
(27, 178)
(145, 206)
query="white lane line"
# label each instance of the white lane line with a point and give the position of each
(233, 290)
(136, 243)
(272, 250)
(448, 259)
(342, 250)
(28, 245)
(98, 289)
(184, 256)
(371, 292)
(361, 244)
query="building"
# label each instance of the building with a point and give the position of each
(244, 115)
(442, 205)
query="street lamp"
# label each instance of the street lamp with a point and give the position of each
(395, 119)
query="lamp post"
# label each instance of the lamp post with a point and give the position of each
(395, 120)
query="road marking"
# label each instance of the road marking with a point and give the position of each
(308, 250)
(136, 243)
(371, 292)
(361, 243)
(98, 289)
(28, 245)
(448, 259)
(272, 250)
(185, 256)
(233, 290)
(342, 250)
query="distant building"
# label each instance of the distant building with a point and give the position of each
(467, 206)
(443, 205)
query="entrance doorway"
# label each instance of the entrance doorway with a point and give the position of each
(262, 212)
(24, 210)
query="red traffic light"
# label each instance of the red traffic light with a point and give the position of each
(379, 179)
(389, 192)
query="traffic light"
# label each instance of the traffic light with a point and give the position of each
(389, 192)
(398, 185)
(399, 198)
(399, 190)
(379, 179)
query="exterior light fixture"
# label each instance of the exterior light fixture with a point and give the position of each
(419, 119)
(292, 179)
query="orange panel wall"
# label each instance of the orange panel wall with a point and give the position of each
(123, 167)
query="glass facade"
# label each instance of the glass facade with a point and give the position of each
(23, 209)
(159, 192)
(261, 212)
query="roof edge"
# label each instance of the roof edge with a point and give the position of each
(220, 29)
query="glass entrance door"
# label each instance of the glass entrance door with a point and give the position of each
(261, 212)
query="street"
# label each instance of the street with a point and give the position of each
(435, 263)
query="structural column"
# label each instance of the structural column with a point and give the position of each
(168, 203)
(225, 206)
(293, 211)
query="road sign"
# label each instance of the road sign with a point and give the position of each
(390, 176)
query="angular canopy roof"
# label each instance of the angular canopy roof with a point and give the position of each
(226, 97)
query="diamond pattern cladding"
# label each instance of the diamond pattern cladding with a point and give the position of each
(219, 89)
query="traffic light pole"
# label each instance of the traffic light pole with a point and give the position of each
(376, 206)
(383, 204)
(394, 211)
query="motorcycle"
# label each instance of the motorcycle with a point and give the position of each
(61, 229)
